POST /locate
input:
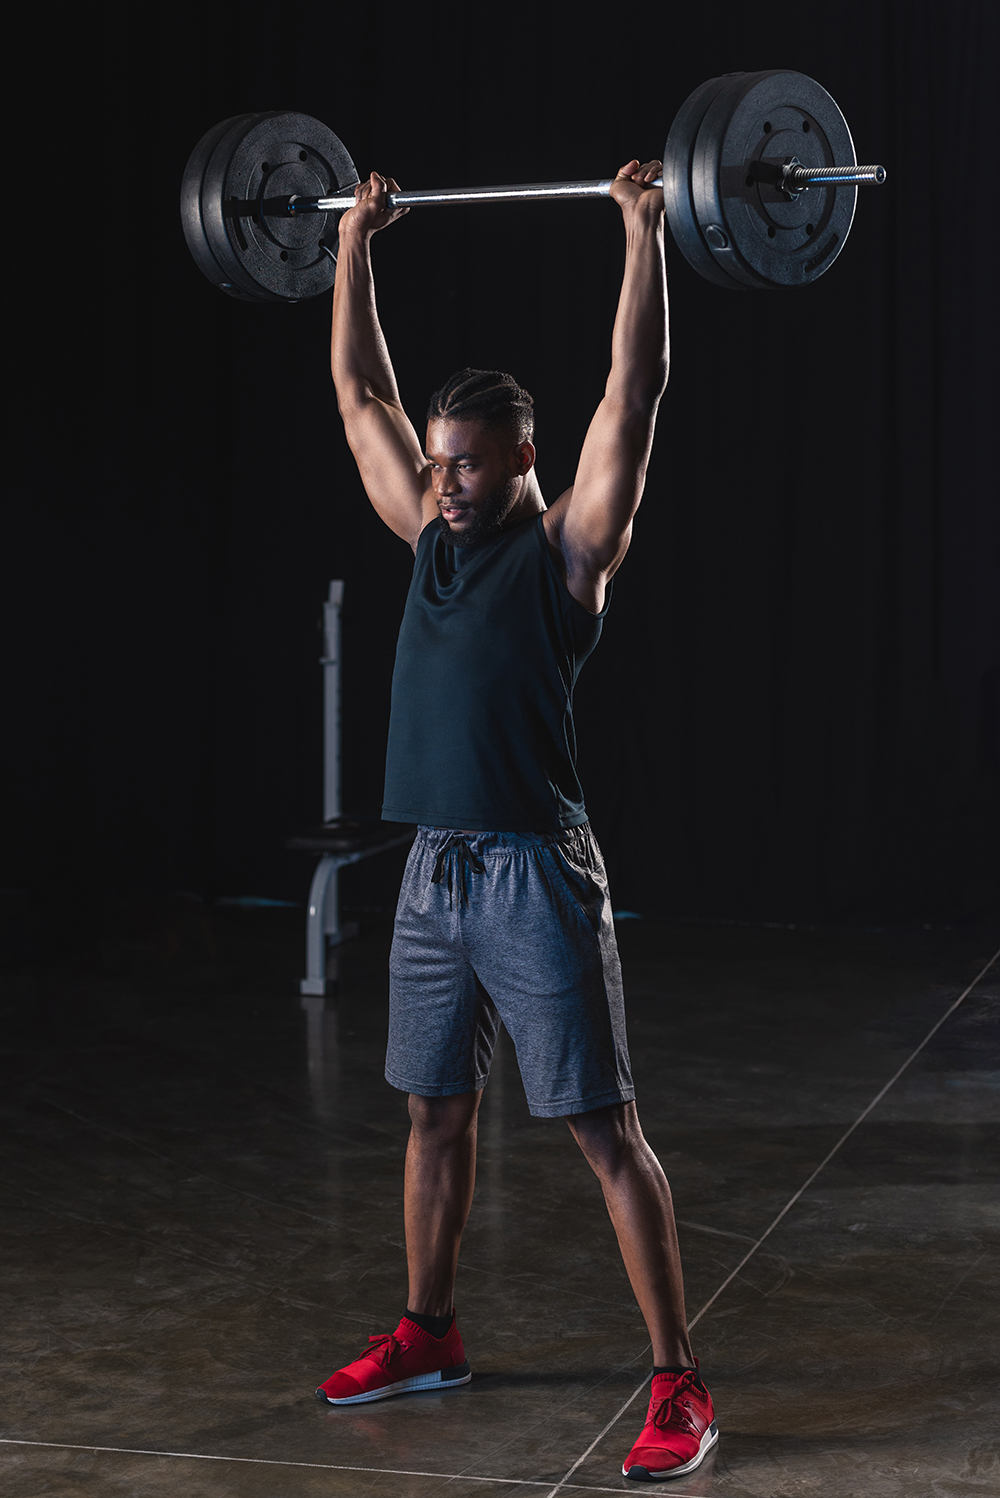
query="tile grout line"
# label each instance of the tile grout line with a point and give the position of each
(847, 1134)
(564, 1481)
(263, 1461)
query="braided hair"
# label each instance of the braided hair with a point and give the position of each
(486, 395)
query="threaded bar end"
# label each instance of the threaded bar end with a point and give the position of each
(797, 177)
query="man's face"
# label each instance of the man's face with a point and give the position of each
(476, 476)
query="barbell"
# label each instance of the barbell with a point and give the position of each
(759, 184)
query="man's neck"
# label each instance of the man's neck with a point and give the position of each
(529, 502)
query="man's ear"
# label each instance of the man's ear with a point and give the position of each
(524, 455)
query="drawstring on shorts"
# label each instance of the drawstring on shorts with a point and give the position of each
(456, 843)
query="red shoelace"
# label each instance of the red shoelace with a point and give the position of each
(672, 1413)
(384, 1350)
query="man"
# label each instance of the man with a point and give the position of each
(504, 912)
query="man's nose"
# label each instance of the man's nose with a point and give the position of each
(448, 482)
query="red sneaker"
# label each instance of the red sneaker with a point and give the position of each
(679, 1432)
(398, 1362)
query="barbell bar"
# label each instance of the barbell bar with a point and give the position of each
(759, 183)
(792, 179)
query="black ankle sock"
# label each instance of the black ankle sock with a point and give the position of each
(434, 1326)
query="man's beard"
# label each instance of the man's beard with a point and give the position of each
(489, 519)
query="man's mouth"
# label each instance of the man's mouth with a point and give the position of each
(453, 512)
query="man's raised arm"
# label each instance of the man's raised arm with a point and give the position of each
(591, 524)
(385, 446)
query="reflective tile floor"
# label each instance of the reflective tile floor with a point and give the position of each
(200, 1193)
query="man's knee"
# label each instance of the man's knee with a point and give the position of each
(607, 1136)
(444, 1120)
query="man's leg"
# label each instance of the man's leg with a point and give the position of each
(680, 1427)
(437, 1195)
(425, 1351)
(641, 1211)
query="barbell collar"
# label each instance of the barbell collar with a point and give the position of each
(518, 192)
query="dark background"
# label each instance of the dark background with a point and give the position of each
(793, 712)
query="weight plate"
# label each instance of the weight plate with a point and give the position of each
(745, 226)
(235, 185)
(191, 220)
(677, 155)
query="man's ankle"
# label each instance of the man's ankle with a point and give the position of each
(434, 1326)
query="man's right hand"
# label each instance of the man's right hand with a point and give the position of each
(372, 210)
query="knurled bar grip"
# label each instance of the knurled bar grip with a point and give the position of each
(797, 177)
(517, 192)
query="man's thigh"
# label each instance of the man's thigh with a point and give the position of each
(541, 939)
(442, 1023)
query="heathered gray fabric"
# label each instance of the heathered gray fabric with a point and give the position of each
(530, 941)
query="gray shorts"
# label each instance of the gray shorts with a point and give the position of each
(515, 927)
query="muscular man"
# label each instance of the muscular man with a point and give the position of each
(504, 912)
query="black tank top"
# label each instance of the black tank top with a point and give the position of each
(481, 731)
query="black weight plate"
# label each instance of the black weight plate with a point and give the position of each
(677, 154)
(235, 185)
(753, 232)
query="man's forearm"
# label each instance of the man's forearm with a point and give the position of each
(359, 357)
(639, 344)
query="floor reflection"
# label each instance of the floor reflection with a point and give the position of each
(323, 1044)
(201, 1186)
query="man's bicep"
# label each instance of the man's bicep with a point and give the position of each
(391, 463)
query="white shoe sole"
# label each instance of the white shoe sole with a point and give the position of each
(643, 1474)
(445, 1378)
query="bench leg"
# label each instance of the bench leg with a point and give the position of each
(322, 921)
